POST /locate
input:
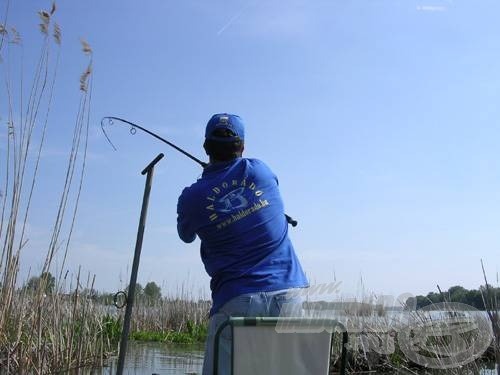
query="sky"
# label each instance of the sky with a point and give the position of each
(379, 117)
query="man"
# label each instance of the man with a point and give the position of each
(236, 210)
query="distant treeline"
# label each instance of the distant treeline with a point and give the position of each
(149, 293)
(47, 282)
(473, 297)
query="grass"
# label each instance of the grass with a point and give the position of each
(194, 333)
(171, 320)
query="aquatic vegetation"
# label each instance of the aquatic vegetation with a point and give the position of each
(166, 321)
(192, 334)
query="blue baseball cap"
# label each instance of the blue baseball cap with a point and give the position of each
(226, 121)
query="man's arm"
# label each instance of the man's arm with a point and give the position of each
(184, 233)
(184, 225)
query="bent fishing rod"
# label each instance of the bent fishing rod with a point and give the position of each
(133, 129)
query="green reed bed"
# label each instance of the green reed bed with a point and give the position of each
(178, 318)
(193, 333)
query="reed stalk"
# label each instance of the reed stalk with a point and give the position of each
(492, 306)
(45, 329)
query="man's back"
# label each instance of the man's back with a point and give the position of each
(237, 211)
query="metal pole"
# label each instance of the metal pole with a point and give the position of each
(343, 361)
(135, 266)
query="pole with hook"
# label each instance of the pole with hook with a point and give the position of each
(148, 171)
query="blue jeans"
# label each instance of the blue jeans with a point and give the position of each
(251, 304)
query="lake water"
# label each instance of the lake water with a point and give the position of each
(156, 358)
(146, 358)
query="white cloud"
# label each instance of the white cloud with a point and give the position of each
(432, 8)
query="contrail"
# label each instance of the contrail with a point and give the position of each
(234, 18)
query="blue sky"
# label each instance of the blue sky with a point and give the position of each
(380, 118)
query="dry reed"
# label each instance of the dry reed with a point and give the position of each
(492, 307)
(172, 313)
(42, 332)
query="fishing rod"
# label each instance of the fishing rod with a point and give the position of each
(133, 129)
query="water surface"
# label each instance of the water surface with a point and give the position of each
(158, 358)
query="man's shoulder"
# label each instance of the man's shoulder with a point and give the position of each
(257, 163)
(260, 168)
(192, 189)
(188, 197)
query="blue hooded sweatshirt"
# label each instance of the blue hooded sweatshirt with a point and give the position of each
(236, 210)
